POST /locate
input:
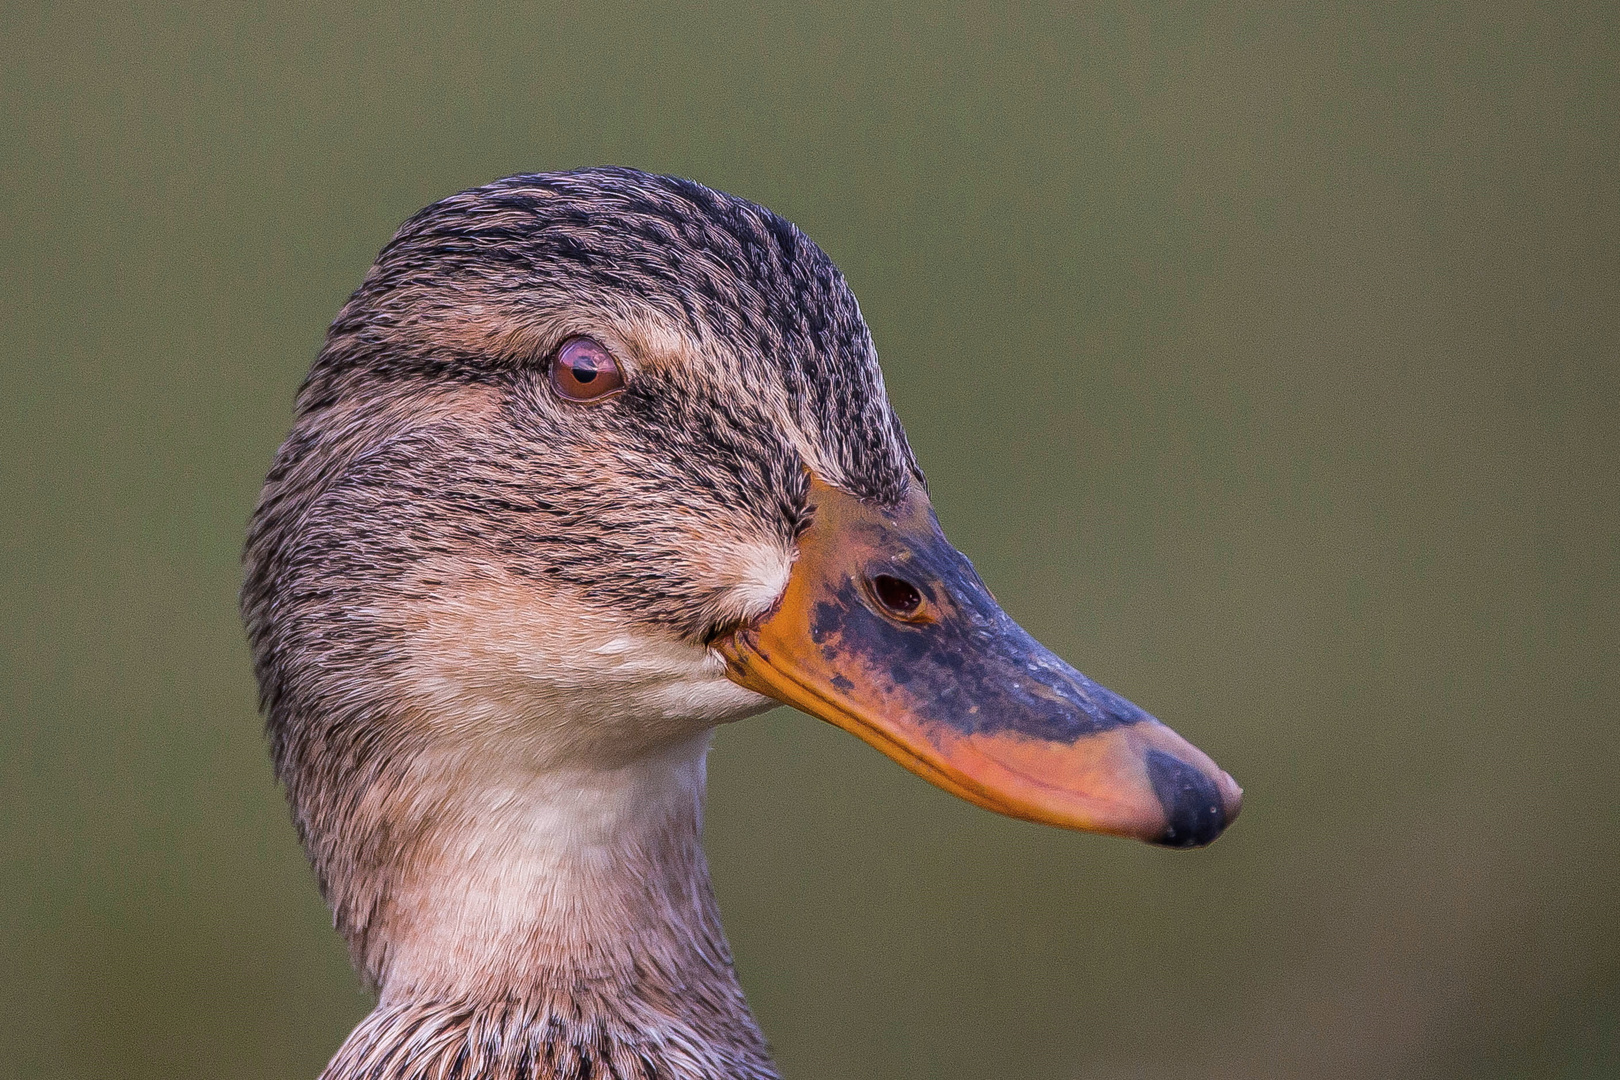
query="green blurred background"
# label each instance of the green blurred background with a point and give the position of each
(1266, 358)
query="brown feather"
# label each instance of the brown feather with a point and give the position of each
(478, 613)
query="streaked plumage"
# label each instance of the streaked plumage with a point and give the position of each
(493, 629)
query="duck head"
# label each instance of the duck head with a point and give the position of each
(590, 463)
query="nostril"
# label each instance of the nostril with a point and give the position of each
(896, 596)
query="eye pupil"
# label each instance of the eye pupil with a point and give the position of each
(584, 371)
(898, 596)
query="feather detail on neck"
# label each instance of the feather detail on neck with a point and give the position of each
(558, 926)
(581, 1036)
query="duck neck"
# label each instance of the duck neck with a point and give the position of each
(549, 924)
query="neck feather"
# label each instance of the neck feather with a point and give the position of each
(554, 924)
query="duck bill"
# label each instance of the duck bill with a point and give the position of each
(957, 692)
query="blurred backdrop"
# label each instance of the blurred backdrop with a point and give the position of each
(1266, 358)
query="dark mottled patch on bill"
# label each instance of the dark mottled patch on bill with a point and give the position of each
(972, 668)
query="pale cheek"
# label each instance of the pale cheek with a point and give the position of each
(760, 575)
(499, 672)
(713, 700)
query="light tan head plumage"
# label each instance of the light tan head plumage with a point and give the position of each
(494, 620)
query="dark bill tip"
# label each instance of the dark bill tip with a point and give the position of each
(1194, 811)
(886, 630)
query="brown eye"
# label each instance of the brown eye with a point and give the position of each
(584, 371)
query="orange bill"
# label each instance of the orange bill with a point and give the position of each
(886, 631)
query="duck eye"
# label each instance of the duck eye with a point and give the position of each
(584, 371)
(897, 597)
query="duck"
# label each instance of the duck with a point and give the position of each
(589, 464)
